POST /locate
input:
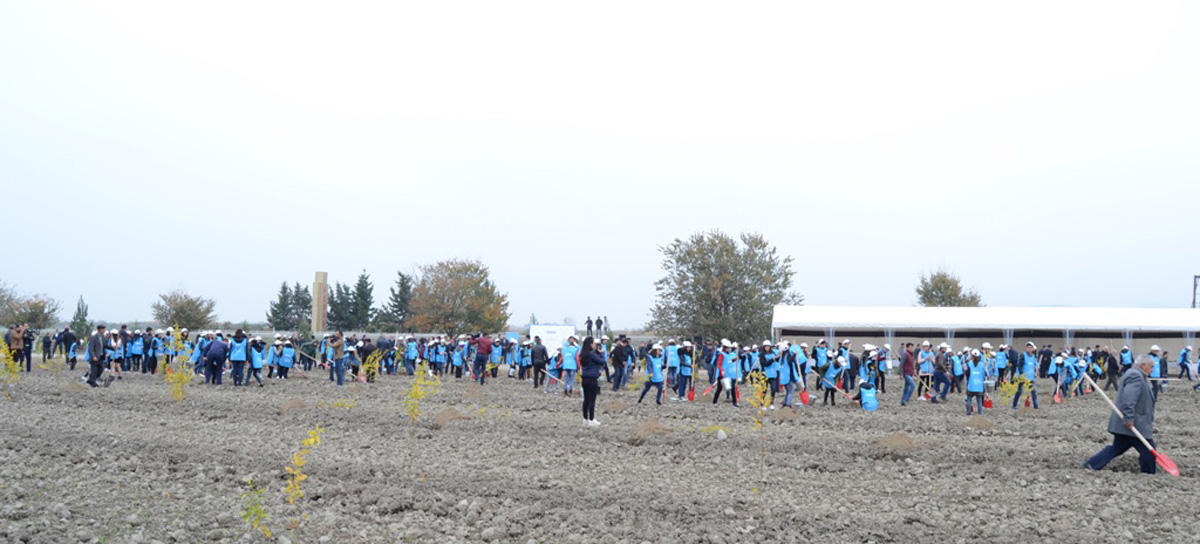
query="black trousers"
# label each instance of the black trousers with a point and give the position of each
(881, 382)
(539, 374)
(150, 364)
(591, 389)
(95, 368)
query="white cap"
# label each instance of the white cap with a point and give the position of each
(725, 343)
(887, 347)
(870, 354)
(868, 347)
(279, 342)
(605, 337)
(657, 346)
(1154, 347)
(277, 335)
(820, 341)
(925, 343)
(160, 331)
(735, 344)
(766, 342)
(185, 329)
(1058, 360)
(975, 353)
(670, 341)
(1028, 344)
(1124, 348)
(803, 344)
(359, 344)
(1189, 348)
(784, 343)
(846, 341)
(944, 345)
(351, 348)
(687, 344)
(258, 338)
(1003, 346)
(841, 359)
(987, 345)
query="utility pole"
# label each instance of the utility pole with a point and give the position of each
(1195, 286)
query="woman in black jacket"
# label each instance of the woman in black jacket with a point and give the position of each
(591, 362)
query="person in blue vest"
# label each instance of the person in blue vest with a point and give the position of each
(852, 363)
(789, 370)
(1001, 359)
(1029, 370)
(137, 348)
(116, 353)
(73, 352)
(804, 364)
(866, 396)
(1185, 368)
(1157, 376)
(686, 364)
(830, 379)
(197, 354)
(768, 360)
(672, 354)
(257, 357)
(410, 355)
(570, 364)
(925, 358)
(728, 366)
(150, 353)
(655, 363)
(820, 362)
(957, 362)
(239, 354)
(287, 359)
(976, 372)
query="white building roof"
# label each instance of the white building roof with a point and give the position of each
(987, 317)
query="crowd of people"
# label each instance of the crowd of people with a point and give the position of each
(668, 369)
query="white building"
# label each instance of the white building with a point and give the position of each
(1139, 328)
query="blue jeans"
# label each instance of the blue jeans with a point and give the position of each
(618, 377)
(410, 365)
(941, 384)
(910, 384)
(480, 367)
(789, 389)
(1032, 393)
(339, 369)
(681, 385)
(568, 380)
(1121, 443)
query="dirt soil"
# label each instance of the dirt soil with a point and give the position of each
(506, 463)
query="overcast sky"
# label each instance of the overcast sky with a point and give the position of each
(1047, 152)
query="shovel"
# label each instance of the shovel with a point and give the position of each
(691, 396)
(1161, 458)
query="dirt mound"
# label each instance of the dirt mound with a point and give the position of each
(290, 405)
(646, 429)
(74, 387)
(899, 442)
(446, 416)
(980, 423)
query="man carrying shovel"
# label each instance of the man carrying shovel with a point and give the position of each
(1135, 404)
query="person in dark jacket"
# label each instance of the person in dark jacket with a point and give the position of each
(96, 357)
(591, 361)
(214, 359)
(1135, 401)
(540, 358)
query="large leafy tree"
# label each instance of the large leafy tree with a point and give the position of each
(79, 322)
(717, 287)
(942, 288)
(178, 308)
(395, 311)
(40, 311)
(458, 296)
(280, 315)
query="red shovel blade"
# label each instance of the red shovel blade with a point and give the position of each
(1166, 463)
(1027, 403)
(804, 398)
(1058, 397)
(707, 391)
(987, 402)
(691, 394)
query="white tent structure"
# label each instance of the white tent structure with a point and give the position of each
(1170, 327)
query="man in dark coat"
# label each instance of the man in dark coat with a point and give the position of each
(1136, 403)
